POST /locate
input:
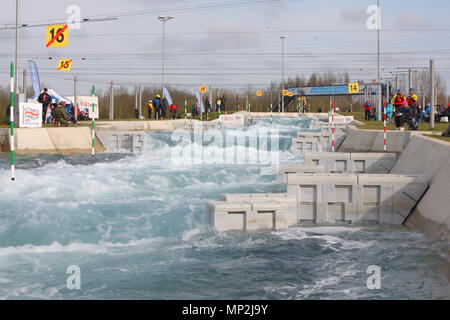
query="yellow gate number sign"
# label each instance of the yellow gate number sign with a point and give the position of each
(57, 35)
(353, 88)
(65, 65)
(285, 92)
(259, 93)
(203, 89)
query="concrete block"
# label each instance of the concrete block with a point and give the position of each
(284, 170)
(122, 141)
(267, 216)
(275, 198)
(332, 162)
(375, 163)
(228, 216)
(305, 145)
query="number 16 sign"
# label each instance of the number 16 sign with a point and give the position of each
(57, 35)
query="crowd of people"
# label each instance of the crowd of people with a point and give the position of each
(61, 114)
(159, 108)
(405, 111)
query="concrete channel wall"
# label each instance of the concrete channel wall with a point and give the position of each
(54, 140)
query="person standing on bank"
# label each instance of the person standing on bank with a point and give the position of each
(400, 104)
(367, 109)
(46, 100)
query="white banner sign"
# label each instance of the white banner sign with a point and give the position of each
(232, 120)
(30, 115)
(342, 119)
(85, 105)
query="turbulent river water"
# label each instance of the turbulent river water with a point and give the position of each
(135, 227)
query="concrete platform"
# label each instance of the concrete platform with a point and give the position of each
(284, 170)
(356, 199)
(122, 141)
(264, 197)
(251, 215)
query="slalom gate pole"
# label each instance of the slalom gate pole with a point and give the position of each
(332, 127)
(93, 120)
(11, 124)
(385, 131)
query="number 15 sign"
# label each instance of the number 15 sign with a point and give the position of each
(57, 35)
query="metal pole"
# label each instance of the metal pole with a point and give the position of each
(432, 92)
(410, 79)
(282, 73)
(16, 73)
(163, 55)
(11, 117)
(111, 101)
(93, 120)
(380, 99)
(75, 98)
(140, 102)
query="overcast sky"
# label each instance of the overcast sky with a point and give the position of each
(232, 45)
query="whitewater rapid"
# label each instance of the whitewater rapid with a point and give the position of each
(134, 224)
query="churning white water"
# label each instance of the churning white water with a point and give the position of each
(134, 225)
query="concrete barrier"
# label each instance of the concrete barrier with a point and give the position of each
(122, 141)
(323, 140)
(284, 170)
(304, 145)
(373, 141)
(264, 197)
(372, 162)
(357, 199)
(340, 162)
(55, 140)
(332, 162)
(247, 216)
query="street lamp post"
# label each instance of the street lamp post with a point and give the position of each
(164, 19)
(282, 72)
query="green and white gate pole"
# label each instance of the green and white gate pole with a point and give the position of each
(93, 120)
(11, 117)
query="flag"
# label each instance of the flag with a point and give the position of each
(34, 76)
(168, 97)
(199, 102)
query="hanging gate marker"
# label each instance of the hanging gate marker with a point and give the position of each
(11, 124)
(93, 120)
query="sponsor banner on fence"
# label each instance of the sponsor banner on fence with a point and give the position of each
(341, 119)
(85, 105)
(232, 120)
(30, 115)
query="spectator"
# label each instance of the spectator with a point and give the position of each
(158, 107)
(400, 104)
(173, 111)
(207, 104)
(195, 112)
(61, 117)
(46, 100)
(367, 109)
(224, 101)
(150, 109)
